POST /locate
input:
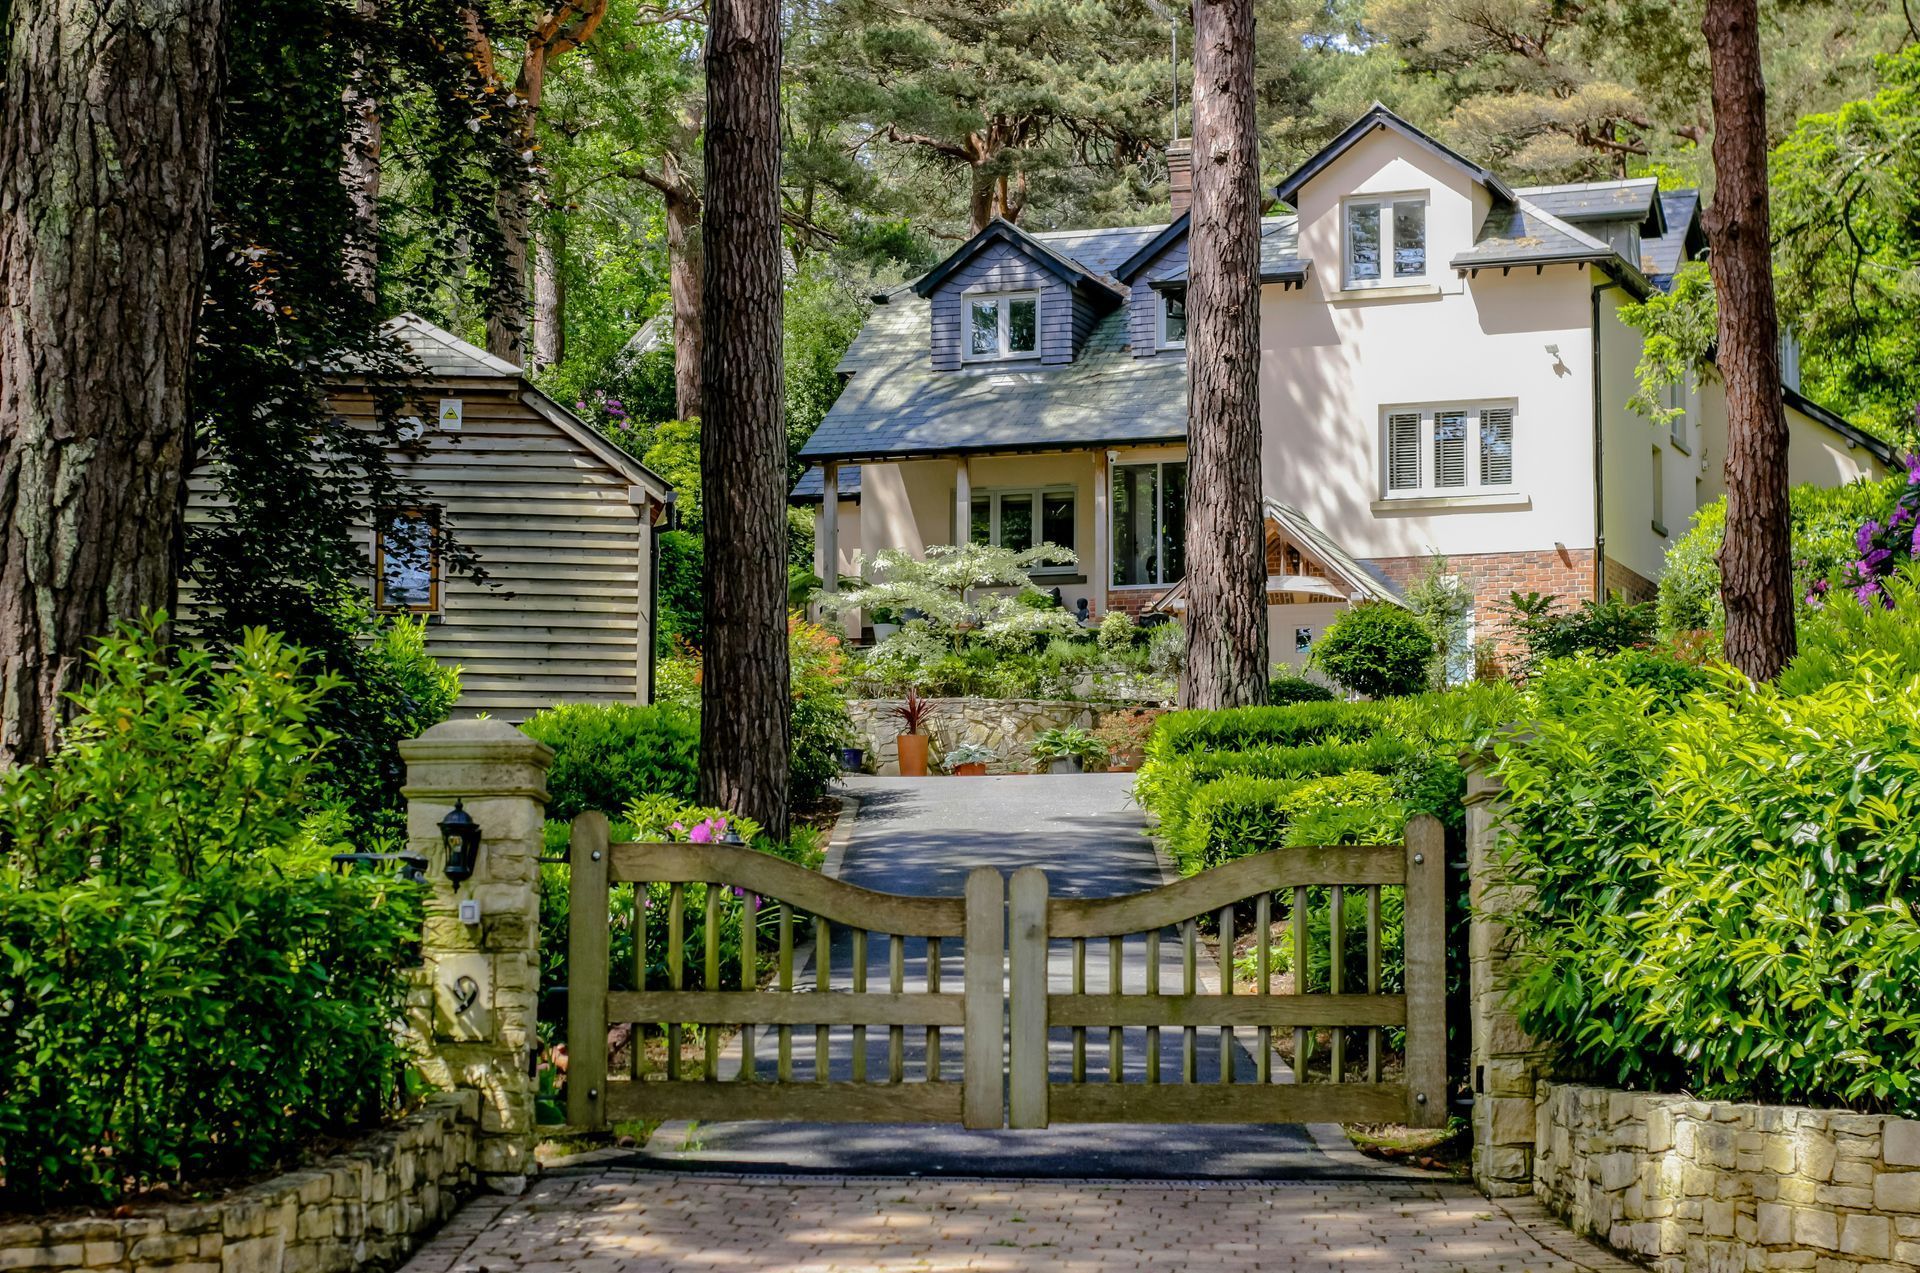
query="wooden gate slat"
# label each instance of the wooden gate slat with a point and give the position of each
(1425, 928)
(588, 958)
(1226, 1010)
(744, 1007)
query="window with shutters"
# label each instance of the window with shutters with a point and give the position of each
(1455, 449)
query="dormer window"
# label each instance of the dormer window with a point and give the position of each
(1006, 325)
(1173, 317)
(1386, 241)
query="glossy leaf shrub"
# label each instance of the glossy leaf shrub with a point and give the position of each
(188, 990)
(1723, 882)
(606, 755)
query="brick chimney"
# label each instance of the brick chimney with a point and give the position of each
(1180, 176)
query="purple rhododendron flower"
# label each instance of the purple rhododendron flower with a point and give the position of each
(1871, 563)
(1819, 585)
(1913, 469)
(581, 405)
(738, 891)
(1863, 538)
(1867, 592)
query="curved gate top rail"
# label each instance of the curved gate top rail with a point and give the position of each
(1033, 974)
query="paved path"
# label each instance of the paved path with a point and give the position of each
(614, 1221)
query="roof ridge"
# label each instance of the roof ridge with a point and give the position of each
(442, 336)
(1567, 187)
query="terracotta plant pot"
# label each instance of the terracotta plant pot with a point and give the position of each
(972, 769)
(912, 749)
(1125, 762)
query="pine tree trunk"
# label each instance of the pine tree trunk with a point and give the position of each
(1756, 559)
(1226, 547)
(107, 136)
(549, 298)
(360, 168)
(686, 266)
(507, 305)
(744, 729)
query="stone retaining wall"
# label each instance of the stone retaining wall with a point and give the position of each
(367, 1208)
(1711, 1185)
(1007, 725)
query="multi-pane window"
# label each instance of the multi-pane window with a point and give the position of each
(1676, 404)
(1149, 523)
(1386, 241)
(1449, 450)
(1173, 317)
(1024, 519)
(406, 565)
(1006, 325)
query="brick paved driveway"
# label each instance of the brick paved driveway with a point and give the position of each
(622, 1221)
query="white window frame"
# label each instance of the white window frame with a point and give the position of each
(1429, 414)
(1385, 203)
(1160, 318)
(1004, 300)
(997, 494)
(1678, 399)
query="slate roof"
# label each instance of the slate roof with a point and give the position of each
(1662, 257)
(813, 481)
(1101, 251)
(1279, 245)
(1523, 233)
(895, 406)
(1631, 200)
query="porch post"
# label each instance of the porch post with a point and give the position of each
(827, 533)
(962, 502)
(1100, 569)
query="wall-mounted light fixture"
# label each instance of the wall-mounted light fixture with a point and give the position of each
(460, 835)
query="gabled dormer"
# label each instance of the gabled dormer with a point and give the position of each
(1006, 299)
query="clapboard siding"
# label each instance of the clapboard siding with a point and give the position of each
(560, 616)
(1001, 267)
(1143, 312)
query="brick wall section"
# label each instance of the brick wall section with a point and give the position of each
(1635, 587)
(369, 1207)
(1684, 1184)
(1133, 600)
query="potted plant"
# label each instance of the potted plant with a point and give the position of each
(970, 760)
(1066, 749)
(1124, 735)
(885, 623)
(911, 745)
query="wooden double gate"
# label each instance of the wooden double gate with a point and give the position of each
(1008, 1007)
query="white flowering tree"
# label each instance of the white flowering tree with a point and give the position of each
(976, 589)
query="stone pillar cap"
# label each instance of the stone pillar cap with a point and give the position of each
(475, 739)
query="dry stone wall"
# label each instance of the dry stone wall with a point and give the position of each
(367, 1208)
(1006, 725)
(1707, 1186)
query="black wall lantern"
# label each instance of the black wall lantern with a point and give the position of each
(461, 836)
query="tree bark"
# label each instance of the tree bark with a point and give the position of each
(1756, 559)
(686, 268)
(107, 136)
(549, 298)
(1226, 546)
(745, 729)
(360, 168)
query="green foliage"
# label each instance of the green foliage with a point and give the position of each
(1825, 520)
(977, 589)
(674, 453)
(1068, 667)
(1237, 814)
(397, 692)
(1546, 630)
(607, 755)
(1831, 636)
(189, 991)
(1377, 649)
(1067, 742)
(1290, 687)
(1722, 882)
(683, 608)
(820, 723)
(1445, 607)
(1678, 328)
(1238, 728)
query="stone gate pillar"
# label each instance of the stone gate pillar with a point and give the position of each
(475, 1005)
(1506, 1062)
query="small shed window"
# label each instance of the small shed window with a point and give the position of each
(406, 567)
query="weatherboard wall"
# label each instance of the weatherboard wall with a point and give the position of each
(562, 615)
(1065, 317)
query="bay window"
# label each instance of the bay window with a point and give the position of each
(1005, 325)
(1025, 519)
(1448, 450)
(1386, 242)
(1149, 524)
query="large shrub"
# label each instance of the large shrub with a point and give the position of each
(187, 990)
(820, 723)
(1377, 649)
(1723, 882)
(607, 755)
(1826, 522)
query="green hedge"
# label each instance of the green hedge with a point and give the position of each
(607, 755)
(1239, 728)
(1724, 881)
(188, 991)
